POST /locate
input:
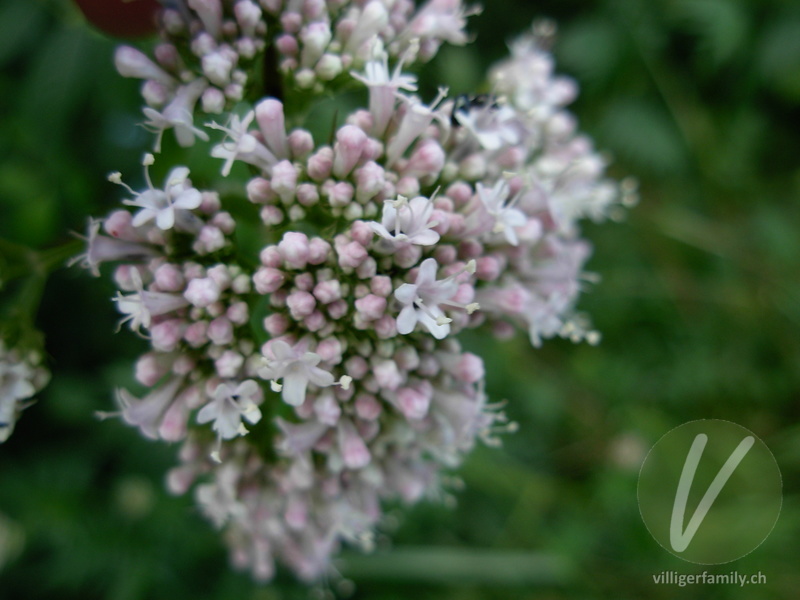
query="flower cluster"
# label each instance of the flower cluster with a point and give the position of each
(320, 376)
(21, 376)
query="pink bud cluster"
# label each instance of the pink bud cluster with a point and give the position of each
(322, 377)
(211, 49)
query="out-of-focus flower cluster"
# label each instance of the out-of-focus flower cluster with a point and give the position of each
(323, 376)
(21, 377)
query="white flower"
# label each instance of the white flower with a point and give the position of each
(297, 369)
(161, 205)
(177, 115)
(421, 301)
(229, 406)
(148, 412)
(141, 306)
(506, 217)
(102, 248)
(410, 221)
(383, 87)
(242, 146)
(493, 126)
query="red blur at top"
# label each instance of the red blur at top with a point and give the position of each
(121, 18)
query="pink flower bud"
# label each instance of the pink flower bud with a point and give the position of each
(228, 364)
(387, 375)
(131, 62)
(307, 194)
(220, 275)
(469, 368)
(301, 304)
(224, 220)
(174, 422)
(370, 180)
(367, 407)
(284, 180)
(356, 367)
(488, 268)
(166, 336)
(212, 101)
(328, 291)
(118, 225)
(195, 334)
(445, 255)
(460, 192)
(168, 278)
(407, 256)
(315, 321)
(315, 38)
(362, 233)
(276, 324)
(354, 451)
(330, 350)
(271, 257)
(294, 249)
(259, 191)
(318, 250)
(427, 160)
(220, 331)
(267, 280)
(408, 186)
(413, 402)
(340, 194)
(349, 145)
(301, 143)
(386, 327)
(291, 21)
(287, 44)
(202, 292)
(338, 309)
(320, 164)
(155, 94)
(367, 269)
(371, 307)
(151, 367)
(211, 202)
(271, 215)
(373, 150)
(304, 281)
(210, 239)
(381, 285)
(248, 16)
(351, 255)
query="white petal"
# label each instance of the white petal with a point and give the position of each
(165, 219)
(406, 293)
(407, 320)
(294, 388)
(427, 271)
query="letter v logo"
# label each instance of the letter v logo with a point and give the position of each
(680, 539)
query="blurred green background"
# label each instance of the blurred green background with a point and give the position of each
(699, 307)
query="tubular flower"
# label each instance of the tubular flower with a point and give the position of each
(312, 365)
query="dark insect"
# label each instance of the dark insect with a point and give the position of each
(466, 102)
